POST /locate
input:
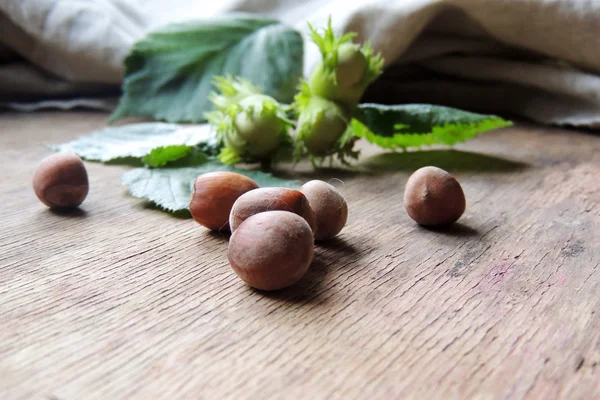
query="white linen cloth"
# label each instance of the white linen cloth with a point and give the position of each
(538, 59)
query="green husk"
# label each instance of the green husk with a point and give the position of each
(346, 69)
(253, 127)
(322, 128)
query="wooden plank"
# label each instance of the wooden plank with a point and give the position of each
(121, 301)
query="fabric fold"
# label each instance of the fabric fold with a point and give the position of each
(536, 59)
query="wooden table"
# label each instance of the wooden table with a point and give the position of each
(120, 301)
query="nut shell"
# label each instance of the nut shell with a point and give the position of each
(61, 181)
(271, 250)
(213, 196)
(331, 210)
(433, 197)
(271, 199)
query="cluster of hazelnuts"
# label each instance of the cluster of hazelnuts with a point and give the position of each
(273, 229)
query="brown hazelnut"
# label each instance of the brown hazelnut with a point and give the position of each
(331, 210)
(213, 196)
(271, 199)
(61, 181)
(271, 250)
(434, 197)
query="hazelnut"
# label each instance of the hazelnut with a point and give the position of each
(213, 196)
(271, 199)
(434, 197)
(271, 250)
(61, 181)
(331, 210)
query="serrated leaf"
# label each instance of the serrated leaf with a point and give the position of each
(171, 188)
(169, 74)
(138, 140)
(416, 125)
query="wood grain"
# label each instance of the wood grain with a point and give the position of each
(120, 301)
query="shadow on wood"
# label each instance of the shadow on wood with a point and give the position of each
(450, 160)
(338, 245)
(456, 229)
(307, 290)
(69, 212)
(219, 235)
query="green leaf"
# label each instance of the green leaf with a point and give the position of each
(169, 74)
(139, 140)
(161, 156)
(416, 125)
(196, 156)
(171, 188)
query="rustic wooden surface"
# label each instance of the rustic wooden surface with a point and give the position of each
(120, 301)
